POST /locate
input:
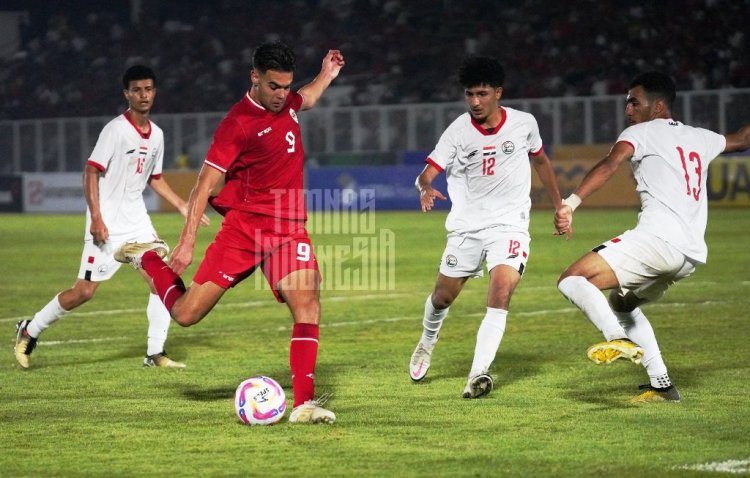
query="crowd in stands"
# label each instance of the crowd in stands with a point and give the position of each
(72, 54)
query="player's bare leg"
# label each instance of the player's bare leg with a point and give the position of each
(196, 303)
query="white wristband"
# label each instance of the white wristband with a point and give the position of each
(572, 201)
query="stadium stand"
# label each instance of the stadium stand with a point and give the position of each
(397, 51)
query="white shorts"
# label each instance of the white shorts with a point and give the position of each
(465, 253)
(645, 264)
(98, 261)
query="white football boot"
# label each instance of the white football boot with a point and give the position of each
(161, 360)
(312, 411)
(132, 252)
(420, 360)
(25, 344)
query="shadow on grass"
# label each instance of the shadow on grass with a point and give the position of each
(209, 394)
(507, 368)
(224, 392)
(47, 358)
(605, 398)
(616, 392)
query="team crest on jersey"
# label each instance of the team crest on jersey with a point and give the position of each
(293, 115)
(508, 147)
(451, 260)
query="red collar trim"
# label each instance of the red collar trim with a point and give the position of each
(503, 117)
(145, 135)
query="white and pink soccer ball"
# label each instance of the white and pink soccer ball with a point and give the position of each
(260, 401)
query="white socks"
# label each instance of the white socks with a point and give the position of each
(52, 312)
(585, 295)
(639, 330)
(615, 325)
(489, 335)
(158, 324)
(432, 321)
(158, 321)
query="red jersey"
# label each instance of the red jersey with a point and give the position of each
(262, 157)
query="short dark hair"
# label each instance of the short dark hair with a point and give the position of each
(274, 56)
(481, 70)
(137, 72)
(656, 85)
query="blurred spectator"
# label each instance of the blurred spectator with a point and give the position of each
(397, 51)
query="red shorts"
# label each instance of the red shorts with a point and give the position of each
(247, 241)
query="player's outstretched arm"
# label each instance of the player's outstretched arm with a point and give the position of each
(427, 193)
(604, 169)
(330, 69)
(594, 179)
(182, 256)
(163, 189)
(739, 141)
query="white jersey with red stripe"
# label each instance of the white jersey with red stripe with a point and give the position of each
(488, 172)
(127, 158)
(670, 165)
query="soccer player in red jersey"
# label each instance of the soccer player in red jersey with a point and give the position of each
(257, 149)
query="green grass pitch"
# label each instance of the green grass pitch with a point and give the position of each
(88, 408)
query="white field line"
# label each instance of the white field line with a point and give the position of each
(235, 305)
(352, 323)
(266, 303)
(728, 466)
(349, 323)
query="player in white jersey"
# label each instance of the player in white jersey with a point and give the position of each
(670, 162)
(127, 156)
(485, 154)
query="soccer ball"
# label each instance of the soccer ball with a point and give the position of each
(260, 401)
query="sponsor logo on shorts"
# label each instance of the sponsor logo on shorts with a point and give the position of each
(451, 260)
(227, 277)
(508, 147)
(102, 269)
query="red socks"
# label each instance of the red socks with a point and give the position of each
(168, 285)
(303, 350)
(303, 353)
